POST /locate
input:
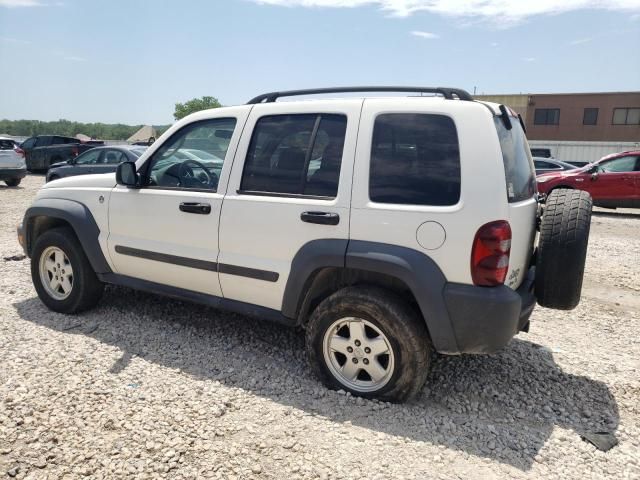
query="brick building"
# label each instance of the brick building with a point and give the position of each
(585, 117)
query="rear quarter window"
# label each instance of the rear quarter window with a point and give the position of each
(518, 163)
(415, 160)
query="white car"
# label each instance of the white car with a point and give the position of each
(12, 165)
(388, 228)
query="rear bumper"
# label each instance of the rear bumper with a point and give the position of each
(484, 319)
(9, 173)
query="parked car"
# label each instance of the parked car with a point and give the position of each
(96, 160)
(613, 181)
(12, 166)
(43, 150)
(415, 230)
(547, 165)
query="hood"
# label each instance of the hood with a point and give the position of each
(58, 164)
(566, 173)
(102, 180)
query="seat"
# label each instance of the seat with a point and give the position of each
(324, 181)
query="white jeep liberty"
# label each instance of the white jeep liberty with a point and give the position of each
(388, 228)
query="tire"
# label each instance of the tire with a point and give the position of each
(82, 289)
(14, 182)
(562, 249)
(406, 366)
(52, 178)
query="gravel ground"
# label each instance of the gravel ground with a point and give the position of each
(150, 387)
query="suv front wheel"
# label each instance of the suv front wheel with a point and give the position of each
(370, 342)
(62, 274)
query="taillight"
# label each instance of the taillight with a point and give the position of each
(490, 254)
(19, 151)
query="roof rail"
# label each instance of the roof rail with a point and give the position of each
(448, 93)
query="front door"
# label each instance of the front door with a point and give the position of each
(290, 185)
(614, 181)
(167, 231)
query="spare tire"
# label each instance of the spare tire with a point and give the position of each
(562, 248)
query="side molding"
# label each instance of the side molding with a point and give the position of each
(423, 277)
(80, 219)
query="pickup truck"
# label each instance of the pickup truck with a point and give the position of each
(43, 150)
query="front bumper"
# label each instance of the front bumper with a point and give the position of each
(484, 319)
(11, 173)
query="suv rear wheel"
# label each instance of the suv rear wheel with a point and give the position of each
(62, 274)
(369, 342)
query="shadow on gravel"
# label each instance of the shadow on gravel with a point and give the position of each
(615, 214)
(502, 406)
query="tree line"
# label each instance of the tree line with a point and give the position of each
(102, 131)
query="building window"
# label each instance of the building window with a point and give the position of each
(590, 116)
(626, 116)
(546, 116)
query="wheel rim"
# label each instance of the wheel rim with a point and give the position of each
(56, 273)
(358, 354)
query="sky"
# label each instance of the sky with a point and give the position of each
(130, 61)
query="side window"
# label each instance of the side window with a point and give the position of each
(90, 157)
(43, 141)
(28, 143)
(193, 156)
(295, 155)
(518, 165)
(619, 165)
(114, 157)
(415, 159)
(546, 165)
(6, 144)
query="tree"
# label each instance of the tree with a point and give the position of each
(195, 105)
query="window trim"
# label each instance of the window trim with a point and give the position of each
(546, 117)
(145, 168)
(307, 161)
(626, 117)
(584, 114)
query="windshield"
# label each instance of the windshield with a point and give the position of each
(137, 151)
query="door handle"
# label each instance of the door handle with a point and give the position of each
(194, 207)
(323, 218)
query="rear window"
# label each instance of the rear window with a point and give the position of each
(6, 144)
(415, 160)
(518, 164)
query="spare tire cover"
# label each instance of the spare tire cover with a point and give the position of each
(562, 248)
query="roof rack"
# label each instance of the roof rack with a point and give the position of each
(448, 93)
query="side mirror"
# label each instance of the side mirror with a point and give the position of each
(126, 175)
(593, 169)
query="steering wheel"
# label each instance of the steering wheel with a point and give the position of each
(188, 177)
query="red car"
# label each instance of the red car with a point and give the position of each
(613, 181)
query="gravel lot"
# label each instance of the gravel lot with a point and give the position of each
(149, 387)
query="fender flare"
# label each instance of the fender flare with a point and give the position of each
(81, 220)
(415, 269)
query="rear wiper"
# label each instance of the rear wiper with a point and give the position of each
(504, 115)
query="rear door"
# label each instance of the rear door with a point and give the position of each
(39, 153)
(290, 185)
